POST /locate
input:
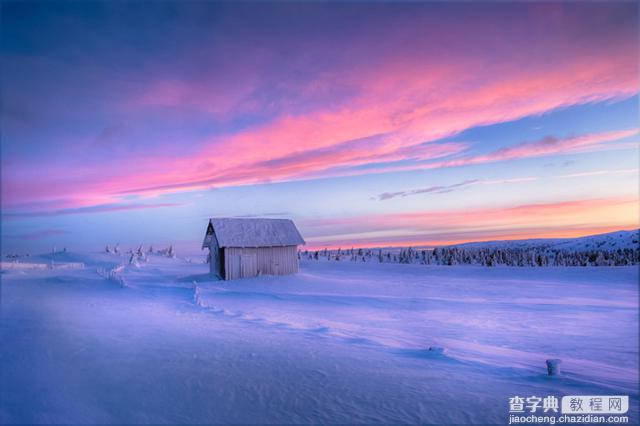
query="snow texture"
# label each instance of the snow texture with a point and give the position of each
(231, 232)
(340, 342)
(29, 265)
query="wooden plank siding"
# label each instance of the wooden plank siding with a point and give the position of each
(245, 262)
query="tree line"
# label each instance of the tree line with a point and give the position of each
(512, 256)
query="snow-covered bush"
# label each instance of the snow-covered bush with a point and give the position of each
(133, 260)
(168, 252)
(112, 275)
(196, 294)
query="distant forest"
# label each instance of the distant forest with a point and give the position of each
(482, 256)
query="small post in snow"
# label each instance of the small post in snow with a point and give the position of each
(196, 294)
(553, 367)
(436, 350)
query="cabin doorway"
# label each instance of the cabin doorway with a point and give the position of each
(216, 262)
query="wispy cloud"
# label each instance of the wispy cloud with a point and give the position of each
(546, 146)
(442, 189)
(601, 173)
(553, 145)
(102, 208)
(438, 189)
(37, 235)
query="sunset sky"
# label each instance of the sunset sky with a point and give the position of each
(369, 124)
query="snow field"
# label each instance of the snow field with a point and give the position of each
(340, 342)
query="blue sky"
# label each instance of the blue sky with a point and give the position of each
(368, 124)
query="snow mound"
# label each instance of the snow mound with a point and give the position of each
(609, 241)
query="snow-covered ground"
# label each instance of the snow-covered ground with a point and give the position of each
(343, 342)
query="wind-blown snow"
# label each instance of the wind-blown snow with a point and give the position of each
(342, 342)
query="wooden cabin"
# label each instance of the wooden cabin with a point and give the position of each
(242, 248)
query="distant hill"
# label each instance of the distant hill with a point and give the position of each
(610, 241)
(621, 248)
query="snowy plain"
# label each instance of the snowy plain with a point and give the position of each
(340, 342)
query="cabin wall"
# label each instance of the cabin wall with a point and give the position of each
(250, 262)
(278, 260)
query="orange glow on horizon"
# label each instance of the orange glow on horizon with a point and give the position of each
(570, 233)
(566, 219)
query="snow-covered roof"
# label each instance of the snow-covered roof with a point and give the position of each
(232, 232)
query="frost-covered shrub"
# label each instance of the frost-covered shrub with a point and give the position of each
(133, 260)
(196, 294)
(112, 275)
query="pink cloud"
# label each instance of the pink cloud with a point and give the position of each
(327, 161)
(382, 97)
(394, 126)
(546, 146)
(99, 208)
